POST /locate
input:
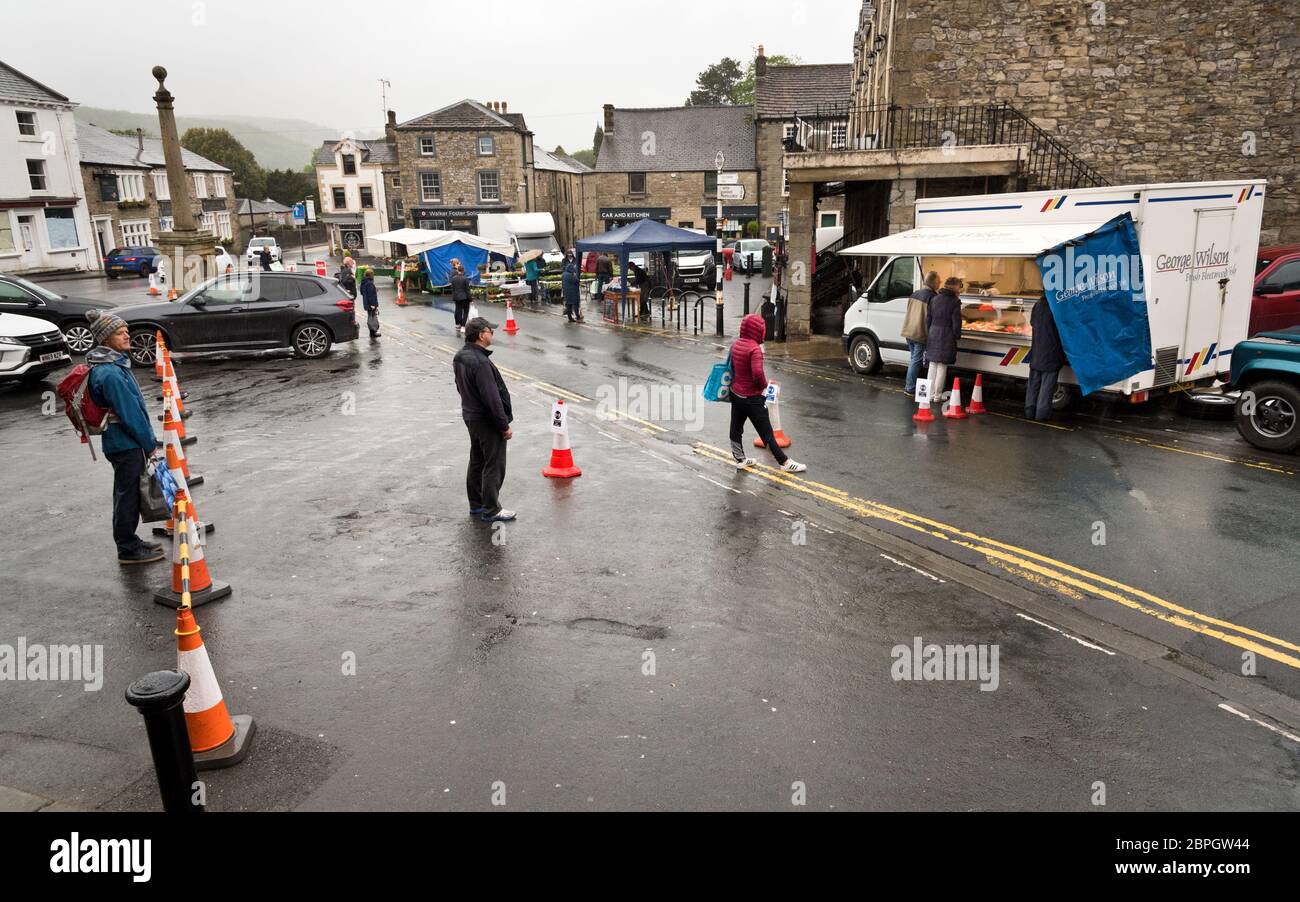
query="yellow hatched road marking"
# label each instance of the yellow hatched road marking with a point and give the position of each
(1041, 565)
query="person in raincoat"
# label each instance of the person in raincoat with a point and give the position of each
(749, 388)
(370, 301)
(572, 292)
(532, 274)
(943, 329)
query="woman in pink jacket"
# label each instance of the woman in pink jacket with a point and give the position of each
(747, 396)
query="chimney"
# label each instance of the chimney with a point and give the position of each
(760, 64)
(609, 119)
(390, 129)
(504, 106)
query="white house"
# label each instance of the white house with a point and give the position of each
(44, 221)
(354, 204)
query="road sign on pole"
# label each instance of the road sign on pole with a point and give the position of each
(728, 178)
(731, 192)
(300, 214)
(311, 210)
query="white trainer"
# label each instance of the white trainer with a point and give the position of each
(746, 463)
(792, 467)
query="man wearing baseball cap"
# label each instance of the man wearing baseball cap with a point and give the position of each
(485, 405)
(129, 440)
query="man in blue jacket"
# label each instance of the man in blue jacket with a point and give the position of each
(129, 439)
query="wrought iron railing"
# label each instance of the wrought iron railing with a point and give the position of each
(844, 127)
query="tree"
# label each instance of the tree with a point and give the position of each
(596, 141)
(746, 90)
(718, 85)
(560, 151)
(585, 157)
(288, 187)
(220, 146)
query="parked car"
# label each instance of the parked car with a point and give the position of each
(697, 271)
(1276, 304)
(1266, 370)
(17, 295)
(138, 260)
(29, 348)
(224, 261)
(749, 255)
(254, 250)
(247, 311)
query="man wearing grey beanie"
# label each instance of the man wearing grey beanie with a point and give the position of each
(129, 439)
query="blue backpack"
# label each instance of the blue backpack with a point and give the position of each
(718, 386)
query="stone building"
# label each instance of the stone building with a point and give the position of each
(562, 190)
(129, 199)
(354, 179)
(1153, 91)
(461, 161)
(44, 226)
(781, 93)
(661, 164)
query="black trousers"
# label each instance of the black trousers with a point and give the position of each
(754, 410)
(128, 467)
(1038, 394)
(487, 466)
(462, 312)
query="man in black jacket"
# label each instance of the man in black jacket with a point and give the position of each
(485, 405)
(1046, 360)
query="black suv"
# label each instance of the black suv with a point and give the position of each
(247, 311)
(69, 314)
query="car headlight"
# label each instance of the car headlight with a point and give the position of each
(4, 340)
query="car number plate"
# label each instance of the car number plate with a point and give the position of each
(54, 355)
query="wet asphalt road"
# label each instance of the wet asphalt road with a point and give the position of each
(337, 490)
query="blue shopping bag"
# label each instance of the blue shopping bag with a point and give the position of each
(718, 386)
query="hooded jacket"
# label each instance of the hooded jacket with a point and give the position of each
(572, 283)
(113, 386)
(747, 358)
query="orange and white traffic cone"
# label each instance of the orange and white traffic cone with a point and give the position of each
(176, 461)
(169, 377)
(172, 421)
(153, 286)
(190, 577)
(401, 285)
(952, 410)
(159, 363)
(171, 293)
(512, 328)
(923, 412)
(562, 466)
(774, 413)
(976, 405)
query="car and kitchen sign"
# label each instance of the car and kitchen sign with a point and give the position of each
(633, 214)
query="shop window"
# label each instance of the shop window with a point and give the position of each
(636, 183)
(62, 227)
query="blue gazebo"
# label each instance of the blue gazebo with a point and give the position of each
(644, 236)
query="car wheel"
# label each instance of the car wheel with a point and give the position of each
(1065, 397)
(311, 341)
(78, 337)
(144, 347)
(145, 269)
(864, 355)
(1267, 416)
(112, 275)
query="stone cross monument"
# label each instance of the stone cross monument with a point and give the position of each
(189, 251)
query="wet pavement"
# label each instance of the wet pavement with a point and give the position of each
(665, 632)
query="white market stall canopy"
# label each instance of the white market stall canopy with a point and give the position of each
(418, 241)
(1016, 240)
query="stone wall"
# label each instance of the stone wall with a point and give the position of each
(681, 192)
(456, 158)
(1143, 90)
(151, 208)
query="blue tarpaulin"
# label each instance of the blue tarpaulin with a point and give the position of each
(438, 261)
(1097, 293)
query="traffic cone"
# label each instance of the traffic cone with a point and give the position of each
(952, 410)
(774, 413)
(176, 461)
(172, 421)
(153, 286)
(171, 293)
(562, 466)
(159, 364)
(191, 582)
(923, 413)
(976, 405)
(512, 328)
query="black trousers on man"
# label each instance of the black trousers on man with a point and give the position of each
(462, 312)
(487, 466)
(1038, 394)
(755, 410)
(128, 467)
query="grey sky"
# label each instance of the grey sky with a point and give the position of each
(557, 63)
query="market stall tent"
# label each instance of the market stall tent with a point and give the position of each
(646, 236)
(438, 249)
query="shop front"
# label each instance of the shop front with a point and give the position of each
(452, 219)
(735, 219)
(616, 217)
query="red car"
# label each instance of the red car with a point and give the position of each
(1277, 289)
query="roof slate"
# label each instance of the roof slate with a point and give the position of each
(560, 163)
(102, 147)
(468, 114)
(685, 139)
(14, 84)
(786, 90)
(378, 153)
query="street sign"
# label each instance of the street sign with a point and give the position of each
(731, 192)
(311, 210)
(728, 178)
(299, 214)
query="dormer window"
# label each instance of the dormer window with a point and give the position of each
(349, 164)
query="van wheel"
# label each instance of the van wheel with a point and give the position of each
(1267, 416)
(864, 355)
(1065, 397)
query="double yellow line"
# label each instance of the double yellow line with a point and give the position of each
(1037, 567)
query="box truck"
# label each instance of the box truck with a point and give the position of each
(1197, 244)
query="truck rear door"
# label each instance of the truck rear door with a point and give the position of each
(1206, 291)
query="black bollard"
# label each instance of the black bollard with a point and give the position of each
(747, 297)
(720, 310)
(159, 696)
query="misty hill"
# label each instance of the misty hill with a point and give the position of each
(277, 143)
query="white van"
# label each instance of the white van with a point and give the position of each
(523, 231)
(1198, 243)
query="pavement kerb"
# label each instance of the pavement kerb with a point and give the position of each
(16, 800)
